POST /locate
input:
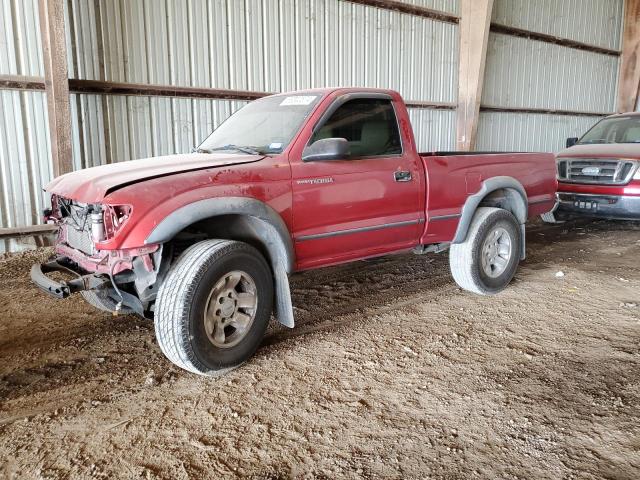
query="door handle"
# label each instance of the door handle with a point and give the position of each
(402, 176)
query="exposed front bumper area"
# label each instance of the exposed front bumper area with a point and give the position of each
(615, 207)
(63, 289)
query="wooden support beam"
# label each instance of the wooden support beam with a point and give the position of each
(54, 54)
(409, 9)
(475, 21)
(629, 86)
(28, 231)
(543, 37)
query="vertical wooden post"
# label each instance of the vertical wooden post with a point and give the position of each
(56, 79)
(630, 64)
(475, 20)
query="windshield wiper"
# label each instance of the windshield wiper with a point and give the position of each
(243, 149)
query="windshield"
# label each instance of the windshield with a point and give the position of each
(263, 126)
(614, 130)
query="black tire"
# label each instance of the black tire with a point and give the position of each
(101, 300)
(465, 259)
(185, 294)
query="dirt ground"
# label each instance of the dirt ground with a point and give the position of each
(391, 372)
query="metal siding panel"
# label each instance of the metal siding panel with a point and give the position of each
(157, 50)
(434, 129)
(532, 74)
(268, 45)
(25, 164)
(20, 52)
(114, 47)
(450, 6)
(595, 22)
(509, 131)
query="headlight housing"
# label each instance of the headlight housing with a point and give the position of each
(115, 216)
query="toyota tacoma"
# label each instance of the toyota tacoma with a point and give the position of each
(204, 243)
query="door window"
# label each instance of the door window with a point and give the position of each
(369, 125)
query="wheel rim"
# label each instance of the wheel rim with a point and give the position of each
(230, 309)
(496, 252)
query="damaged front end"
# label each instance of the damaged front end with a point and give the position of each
(125, 280)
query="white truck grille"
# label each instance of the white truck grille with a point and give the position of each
(604, 171)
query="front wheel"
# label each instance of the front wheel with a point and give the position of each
(214, 306)
(487, 260)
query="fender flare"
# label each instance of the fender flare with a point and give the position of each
(520, 202)
(260, 222)
(271, 228)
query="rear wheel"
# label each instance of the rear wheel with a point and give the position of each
(214, 306)
(487, 260)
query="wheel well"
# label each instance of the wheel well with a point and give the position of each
(243, 228)
(508, 199)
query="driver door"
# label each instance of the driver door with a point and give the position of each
(364, 204)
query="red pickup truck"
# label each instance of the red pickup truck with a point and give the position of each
(599, 174)
(204, 242)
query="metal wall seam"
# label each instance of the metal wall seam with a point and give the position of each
(528, 73)
(594, 22)
(529, 132)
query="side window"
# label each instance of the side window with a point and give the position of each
(369, 125)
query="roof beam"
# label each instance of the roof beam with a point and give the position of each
(475, 22)
(409, 9)
(56, 83)
(630, 64)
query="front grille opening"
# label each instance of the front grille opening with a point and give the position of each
(562, 169)
(596, 171)
(625, 171)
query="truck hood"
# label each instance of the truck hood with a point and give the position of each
(91, 185)
(603, 150)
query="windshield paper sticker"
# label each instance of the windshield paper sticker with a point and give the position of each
(298, 100)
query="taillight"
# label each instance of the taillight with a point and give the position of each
(114, 217)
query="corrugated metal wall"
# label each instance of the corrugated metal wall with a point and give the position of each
(529, 74)
(268, 46)
(24, 138)
(595, 22)
(528, 132)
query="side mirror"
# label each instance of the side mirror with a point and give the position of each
(326, 149)
(571, 141)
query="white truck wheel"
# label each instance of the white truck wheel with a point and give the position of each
(487, 260)
(214, 305)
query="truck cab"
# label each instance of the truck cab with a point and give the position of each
(599, 173)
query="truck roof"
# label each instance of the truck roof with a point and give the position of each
(326, 91)
(627, 114)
